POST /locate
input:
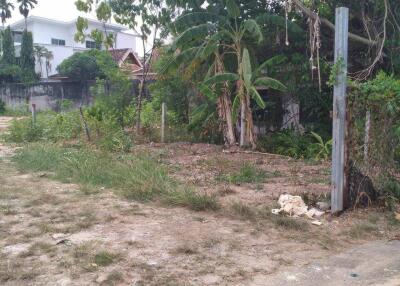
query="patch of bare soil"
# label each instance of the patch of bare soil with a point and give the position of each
(54, 234)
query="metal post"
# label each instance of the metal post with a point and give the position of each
(163, 114)
(33, 114)
(339, 152)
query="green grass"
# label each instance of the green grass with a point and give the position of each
(105, 258)
(363, 230)
(135, 177)
(289, 223)
(247, 174)
(192, 200)
(243, 211)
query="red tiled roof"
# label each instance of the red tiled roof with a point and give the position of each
(118, 54)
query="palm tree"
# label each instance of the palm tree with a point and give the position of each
(39, 53)
(48, 57)
(24, 7)
(210, 37)
(5, 11)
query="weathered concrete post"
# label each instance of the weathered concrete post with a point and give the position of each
(339, 153)
(33, 114)
(163, 114)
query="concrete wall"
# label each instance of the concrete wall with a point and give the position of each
(49, 95)
(46, 96)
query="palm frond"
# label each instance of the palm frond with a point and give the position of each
(268, 82)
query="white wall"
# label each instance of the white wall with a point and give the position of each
(60, 53)
(43, 31)
(126, 41)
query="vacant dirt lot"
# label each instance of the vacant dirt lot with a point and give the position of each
(58, 234)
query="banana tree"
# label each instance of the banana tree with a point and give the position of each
(208, 34)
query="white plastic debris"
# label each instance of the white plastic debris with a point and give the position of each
(316, 222)
(314, 213)
(295, 206)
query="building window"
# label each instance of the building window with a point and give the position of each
(92, 45)
(17, 37)
(58, 42)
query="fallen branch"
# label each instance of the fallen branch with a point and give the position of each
(331, 26)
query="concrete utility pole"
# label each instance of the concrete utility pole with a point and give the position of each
(33, 114)
(163, 115)
(339, 192)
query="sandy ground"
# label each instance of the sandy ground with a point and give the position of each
(55, 234)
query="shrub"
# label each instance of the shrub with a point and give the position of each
(2, 107)
(53, 127)
(247, 174)
(289, 143)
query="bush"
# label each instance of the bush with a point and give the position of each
(2, 107)
(87, 65)
(53, 127)
(289, 143)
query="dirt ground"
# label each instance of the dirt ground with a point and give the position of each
(55, 234)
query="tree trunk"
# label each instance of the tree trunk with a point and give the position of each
(225, 114)
(224, 106)
(250, 139)
(139, 105)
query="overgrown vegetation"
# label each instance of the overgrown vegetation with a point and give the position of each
(290, 143)
(247, 174)
(133, 177)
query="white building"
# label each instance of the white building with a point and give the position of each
(58, 37)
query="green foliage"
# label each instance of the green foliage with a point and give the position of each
(25, 6)
(67, 126)
(337, 68)
(8, 57)
(391, 192)
(289, 143)
(192, 200)
(5, 10)
(27, 60)
(10, 73)
(320, 150)
(87, 65)
(134, 177)
(247, 174)
(2, 107)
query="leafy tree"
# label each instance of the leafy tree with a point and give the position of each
(8, 56)
(154, 17)
(24, 7)
(86, 66)
(5, 10)
(27, 58)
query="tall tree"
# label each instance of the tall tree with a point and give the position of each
(5, 11)
(48, 56)
(222, 30)
(24, 8)
(27, 58)
(150, 19)
(8, 56)
(40, 53)
(153, 16)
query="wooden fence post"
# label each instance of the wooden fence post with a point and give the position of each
(163, 114)
(33, 114)
(339, 189)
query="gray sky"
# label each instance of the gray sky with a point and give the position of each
(57, 9)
